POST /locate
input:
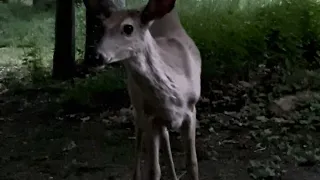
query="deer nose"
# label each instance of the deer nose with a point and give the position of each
(106, 58)
(101, 53)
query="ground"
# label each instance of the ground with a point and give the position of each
(238, 138)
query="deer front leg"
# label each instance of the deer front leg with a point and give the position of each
(189, 136)
(137, 168)
(139, 119)
(153, 135)
(167, 146)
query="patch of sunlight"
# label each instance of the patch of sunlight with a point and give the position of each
(10, 55)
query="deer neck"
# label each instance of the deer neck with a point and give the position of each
(148, 70)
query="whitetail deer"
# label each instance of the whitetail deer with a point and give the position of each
(163, 66)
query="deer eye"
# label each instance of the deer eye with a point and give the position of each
(128, 29)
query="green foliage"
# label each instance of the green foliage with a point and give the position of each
(22, 27)
(234, 36)
(80, 30)
(32, 60)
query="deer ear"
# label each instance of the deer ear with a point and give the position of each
(156, 9)
(104, 7)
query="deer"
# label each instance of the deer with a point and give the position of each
(163, 67)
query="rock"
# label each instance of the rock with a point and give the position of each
(289, 103)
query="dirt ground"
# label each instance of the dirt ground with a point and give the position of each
(40, 144)
(33, 149)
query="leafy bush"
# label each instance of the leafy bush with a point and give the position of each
(236, 38)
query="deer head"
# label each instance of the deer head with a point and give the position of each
(125, 31)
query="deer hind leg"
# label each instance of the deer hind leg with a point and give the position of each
(188, 131)
(152, 137)
(167, 146)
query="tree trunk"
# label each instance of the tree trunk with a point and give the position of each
(94, 31)
(64, 50)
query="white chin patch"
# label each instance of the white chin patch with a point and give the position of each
(111, 60)
(108, 60)
(99, 68)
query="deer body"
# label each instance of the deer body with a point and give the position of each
(163, 81)
(163, 66)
